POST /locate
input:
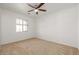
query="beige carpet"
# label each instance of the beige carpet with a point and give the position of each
(36, 47)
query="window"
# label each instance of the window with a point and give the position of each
(21, 25)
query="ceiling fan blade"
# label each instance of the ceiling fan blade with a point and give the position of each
(30, 10)
(36, 12)
(30, 5)
(42, 10)
(39, 5)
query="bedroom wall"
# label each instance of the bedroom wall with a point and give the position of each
(8, 27)
(0, 29)
(59, 27)
(78, 23)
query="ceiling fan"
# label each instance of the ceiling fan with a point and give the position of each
(36, 8)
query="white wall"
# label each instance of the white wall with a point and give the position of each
(8, 27)
(0, 29)
(78, 24)
(60, 27)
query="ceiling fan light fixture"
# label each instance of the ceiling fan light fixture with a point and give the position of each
(36, 10)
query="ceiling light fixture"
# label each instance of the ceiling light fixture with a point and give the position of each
(36, 10)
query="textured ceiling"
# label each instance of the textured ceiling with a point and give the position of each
(23, 8)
